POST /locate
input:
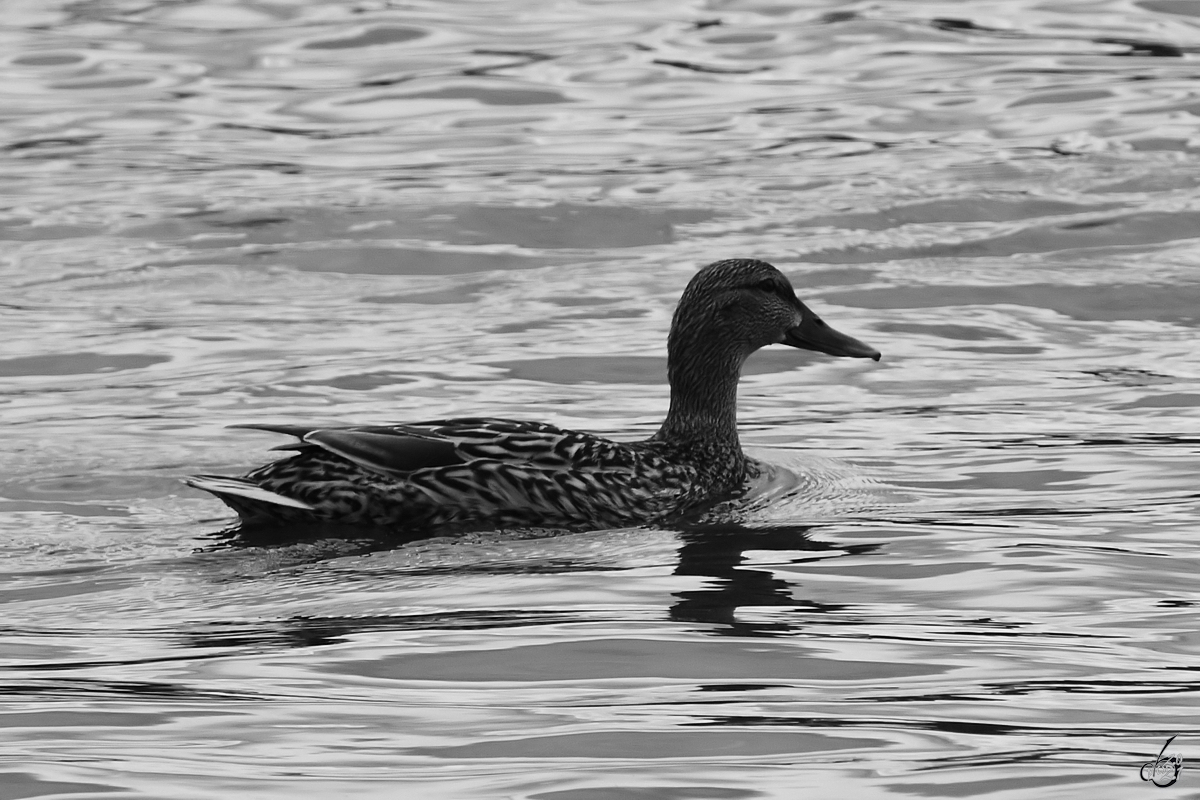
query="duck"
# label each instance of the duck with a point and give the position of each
(479, 473)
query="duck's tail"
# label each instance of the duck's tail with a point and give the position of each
(252, 503)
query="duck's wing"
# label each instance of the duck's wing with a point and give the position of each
(403, 449)
(299, 431)
(390, 450)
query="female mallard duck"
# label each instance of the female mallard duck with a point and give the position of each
(472, 473)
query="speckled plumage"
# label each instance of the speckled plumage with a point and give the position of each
(463, 473)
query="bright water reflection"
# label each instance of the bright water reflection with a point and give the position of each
(974, 575)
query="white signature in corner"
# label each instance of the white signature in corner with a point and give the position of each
(1164, 770)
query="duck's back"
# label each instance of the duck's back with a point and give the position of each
(462, 472)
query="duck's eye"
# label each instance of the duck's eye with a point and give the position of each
(767, 286)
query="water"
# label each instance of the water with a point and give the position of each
(979, 580)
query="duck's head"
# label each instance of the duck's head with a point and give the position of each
(745, 304)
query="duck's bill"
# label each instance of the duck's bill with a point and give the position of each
(814, 334)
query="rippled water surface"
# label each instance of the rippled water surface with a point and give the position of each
(978, 578)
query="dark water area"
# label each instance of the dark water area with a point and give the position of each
(971, 574)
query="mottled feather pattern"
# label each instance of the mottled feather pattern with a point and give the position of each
(481, 472)
(513, 473)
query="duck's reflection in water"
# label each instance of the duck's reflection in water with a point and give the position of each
(713, 551)
(718, 552)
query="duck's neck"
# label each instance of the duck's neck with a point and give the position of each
(704, 383)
